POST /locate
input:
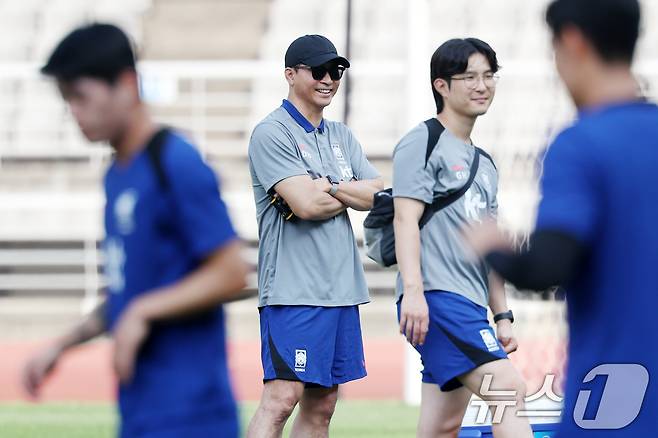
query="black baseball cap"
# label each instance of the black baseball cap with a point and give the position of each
(313, 50)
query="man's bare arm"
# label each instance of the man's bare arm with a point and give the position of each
(359, 195)
(42, 363)
(497, 297)
(307, 198)
(219, 279)
(414, 313)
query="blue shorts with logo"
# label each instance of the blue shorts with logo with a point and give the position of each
(320, 346)
(459, 339)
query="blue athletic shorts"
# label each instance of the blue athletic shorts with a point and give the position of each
(320, 346)
(459, 339)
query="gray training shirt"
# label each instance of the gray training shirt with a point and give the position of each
(445, 262)
(313, 263)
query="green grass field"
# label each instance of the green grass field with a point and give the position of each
(352, 419)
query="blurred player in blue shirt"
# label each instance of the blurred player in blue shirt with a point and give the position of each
(171, 254)
(595, 232)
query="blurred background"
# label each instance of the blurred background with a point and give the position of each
(213, 69)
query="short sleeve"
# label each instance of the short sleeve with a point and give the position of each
(570, 202)
(203, 219)
(273, 155)
(411, 177)
(361, 167)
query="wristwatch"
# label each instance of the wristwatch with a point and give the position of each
(334, 184)
(504, 315)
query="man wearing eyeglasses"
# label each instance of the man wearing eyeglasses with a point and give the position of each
(442, 294)
(306, 172)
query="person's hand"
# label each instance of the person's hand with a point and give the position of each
(38, 368)
(130, 333)
(505, 336)
(484, 238)
(322, 184)
(414, 317)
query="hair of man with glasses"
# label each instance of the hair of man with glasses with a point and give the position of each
(170, 252)
(306, 172)
(451, 59)
(442, 293)
(595, 231)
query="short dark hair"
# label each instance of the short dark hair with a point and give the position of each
(101, 51)
(612, 26)
(451, 58)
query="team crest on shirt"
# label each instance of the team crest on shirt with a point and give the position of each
(300, 360)
(346, 172)
(489, 340)
(124, 211)
(338, 152)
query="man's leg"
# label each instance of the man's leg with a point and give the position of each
(441, 413)
(276, 404)
(504, 378)
(348, 363)
(315, 411)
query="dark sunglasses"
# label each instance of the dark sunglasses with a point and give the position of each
(335, 71)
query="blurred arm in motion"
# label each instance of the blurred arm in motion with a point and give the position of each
(221, 278)
(37, 369)
(551, 259)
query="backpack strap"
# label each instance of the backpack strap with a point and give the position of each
(154, 152)
(487, 156)
(434, 130)
(445, 201)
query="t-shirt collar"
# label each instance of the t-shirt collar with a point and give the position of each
(299, 118)
(593, 109)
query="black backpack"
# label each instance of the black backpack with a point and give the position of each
(379, 235)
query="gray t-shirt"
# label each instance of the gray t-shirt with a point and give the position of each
(313, 263)
(445, 262)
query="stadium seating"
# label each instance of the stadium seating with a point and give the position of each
(214, 68)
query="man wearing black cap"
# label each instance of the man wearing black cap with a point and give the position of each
(306, 172)
(171, 254)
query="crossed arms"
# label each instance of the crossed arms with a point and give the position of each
(309, 198)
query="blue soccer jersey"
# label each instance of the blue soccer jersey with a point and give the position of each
(155, 235)
(600, 185)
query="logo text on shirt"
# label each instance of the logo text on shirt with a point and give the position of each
(115, 260)
(473, 203)
(343, 165)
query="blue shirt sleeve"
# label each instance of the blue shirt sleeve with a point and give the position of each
(570, 200)
(203, 219)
